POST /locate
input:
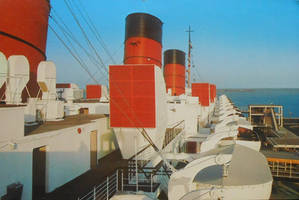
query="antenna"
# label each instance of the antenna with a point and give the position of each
(189, 57)
(3, 69)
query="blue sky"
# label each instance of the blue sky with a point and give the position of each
(237, 43)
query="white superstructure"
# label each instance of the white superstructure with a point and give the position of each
(41, 147)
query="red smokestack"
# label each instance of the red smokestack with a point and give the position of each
(174, 71)
(143, 40)
(23, 31)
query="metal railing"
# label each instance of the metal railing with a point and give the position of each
(111, 185)
(103, 191)
(284, 169)
(120, 181)
(137, 184)
(173, 132)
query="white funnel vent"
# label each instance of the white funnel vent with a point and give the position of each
(46, 79)
(3, 69)
(18, 77)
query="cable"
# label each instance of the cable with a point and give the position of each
(95, 31)
(69, 36)
(141, 130)
(72, 53)
(84, 33)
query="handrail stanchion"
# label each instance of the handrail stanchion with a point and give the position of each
(290, 169)
(116, 180)
(107, 187)
(151, 182)
(94, 193)
(136, 164)
(122, 180)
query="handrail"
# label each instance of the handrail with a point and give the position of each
(142, 150)
(178, 123)
(114, 183)
(168, 139)
(111, 188)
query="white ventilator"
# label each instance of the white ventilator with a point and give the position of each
(46, 79)
(48, 108)
(18, 77)
(3, 69)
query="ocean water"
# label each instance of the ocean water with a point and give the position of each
(288, 98)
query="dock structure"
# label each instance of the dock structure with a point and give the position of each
(289, 144)
(263, 116)
(283, 164)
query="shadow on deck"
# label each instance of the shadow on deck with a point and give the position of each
(85, 182)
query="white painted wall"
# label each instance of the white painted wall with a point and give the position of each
(188, 112)
(67, 156)
(95, 108)
(11, 123)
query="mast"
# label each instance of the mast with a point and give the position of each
(189, 57)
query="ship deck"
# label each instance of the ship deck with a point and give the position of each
(67, 122)
(284, 142)
(85, 182)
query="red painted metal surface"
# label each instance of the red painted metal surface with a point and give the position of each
(174, 75)
(202, 91)
(132, 96)
(93, 91)
(213, 92)
(243, 130)
(63, 85)
(23, 31)
(141, 50)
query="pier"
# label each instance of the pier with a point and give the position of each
(280, 142)
(283, 164)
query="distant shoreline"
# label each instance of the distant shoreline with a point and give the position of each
(252, 89)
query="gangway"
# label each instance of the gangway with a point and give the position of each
(274, 119)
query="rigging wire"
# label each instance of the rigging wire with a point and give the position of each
(69, 36)
(93, 28)
(84, 34)
(72, 53)
(86, 37)
(141, 130)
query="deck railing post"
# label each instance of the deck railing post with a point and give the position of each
(290, 169)
(116, 180)
(94, 193)
(136, 164)
(122, 180)
(107, 187)
(277, 168)
(151, 182)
